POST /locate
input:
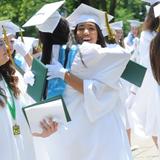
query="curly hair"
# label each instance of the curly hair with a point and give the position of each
(3, 97)
(7, 71)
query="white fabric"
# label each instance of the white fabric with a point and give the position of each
(117, 25)
(10, 27)
(50, 24)
(131, 48)
(88, 18)
(39, 147)
(142, 58)
(144, 46)
(53, 109)
(30, 43)
(56, 70)
(55, 52)
(145, 110)
(15, 147)
(156, 10)
(29, 77)
(45, 14)
(134, 23)
(151, 1)
(20, 47)
(85, 13)
(92, 136)
(109, 61)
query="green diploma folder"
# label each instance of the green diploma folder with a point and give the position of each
(134, 73)
(40, 72)
(54, 108)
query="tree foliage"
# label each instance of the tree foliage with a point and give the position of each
(19, 11)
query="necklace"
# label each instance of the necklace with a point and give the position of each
(12, 109)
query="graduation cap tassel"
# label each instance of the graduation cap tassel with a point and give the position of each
(158, 28)
(111, 36)
(7, 45)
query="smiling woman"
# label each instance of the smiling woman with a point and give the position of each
(92, 96)
(89, 32)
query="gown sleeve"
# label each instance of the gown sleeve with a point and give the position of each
(99, 99)
(101, 90)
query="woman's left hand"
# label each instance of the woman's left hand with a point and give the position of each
(48, 127)
(56, 70)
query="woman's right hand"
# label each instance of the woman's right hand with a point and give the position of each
(20, 47)
(48, 127)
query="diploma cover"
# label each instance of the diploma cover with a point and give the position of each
(40, 72)
(134, 73)
(54, 108)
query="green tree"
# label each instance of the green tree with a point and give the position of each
(19, 11)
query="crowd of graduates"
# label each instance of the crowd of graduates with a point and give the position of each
(85, 56)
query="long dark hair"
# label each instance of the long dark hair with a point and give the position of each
(3, 97)
(100, 39)
(7, 71)
(151, 23)
(121, 41)
(155, 57)
(59, 36)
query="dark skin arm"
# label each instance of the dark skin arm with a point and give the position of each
(74, 81)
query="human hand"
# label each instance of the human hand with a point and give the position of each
(56, 70)
(130, 38)
(48, 127)
(29, 77)
(19, 47)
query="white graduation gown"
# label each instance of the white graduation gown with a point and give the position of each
(96, 131)
(131, 48)
(14, 147)
(144, 46)
(40, 151)
(144, 111)
(143, 58)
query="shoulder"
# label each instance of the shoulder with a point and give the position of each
(147, 34)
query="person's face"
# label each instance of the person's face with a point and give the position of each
(3, 53)
(10, 40)
(87, 32)
(135, 31)
(119, 34)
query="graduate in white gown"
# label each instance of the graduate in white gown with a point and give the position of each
(91, 95)
(118, 28)
(131, 41)
(16, 138)
(14, 145)
(143, 110)
(54, 34)
(131, 44)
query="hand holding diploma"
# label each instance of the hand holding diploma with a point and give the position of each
(48, 128)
